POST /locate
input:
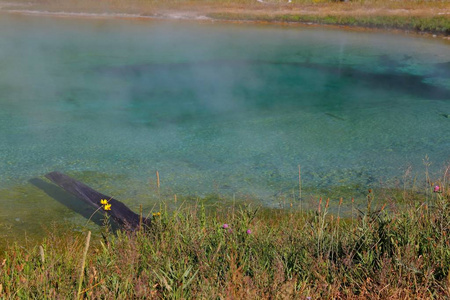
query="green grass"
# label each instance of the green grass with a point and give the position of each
(399, 248)
(436, 25)
(408, 15)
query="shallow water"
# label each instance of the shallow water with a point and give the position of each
(216, 109)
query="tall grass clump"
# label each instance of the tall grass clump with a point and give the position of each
(393, 249)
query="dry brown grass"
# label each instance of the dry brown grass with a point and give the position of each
(306, 7)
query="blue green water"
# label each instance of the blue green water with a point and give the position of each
(219, 109)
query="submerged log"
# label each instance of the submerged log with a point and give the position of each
(118, 211)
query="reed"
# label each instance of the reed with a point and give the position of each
(83, 263)
(299, 183)
(41, 253)
(158, 184)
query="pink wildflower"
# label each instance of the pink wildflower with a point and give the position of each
(436, 189)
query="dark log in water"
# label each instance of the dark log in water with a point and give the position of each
(119, 211)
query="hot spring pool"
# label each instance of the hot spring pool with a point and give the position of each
(217, 109)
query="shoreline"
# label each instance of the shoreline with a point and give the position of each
(395, 21)
(244, 252)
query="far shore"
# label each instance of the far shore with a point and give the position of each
(431, 18)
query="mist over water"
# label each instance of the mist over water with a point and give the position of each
(215, 108)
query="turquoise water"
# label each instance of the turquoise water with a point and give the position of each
(220, 109)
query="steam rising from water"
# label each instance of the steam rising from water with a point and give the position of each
(217, 108)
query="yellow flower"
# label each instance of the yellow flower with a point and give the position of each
(105, 204)
(156, 214)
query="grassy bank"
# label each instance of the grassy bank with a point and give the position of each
(407, 15)
(395, 250)
(435, 25)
